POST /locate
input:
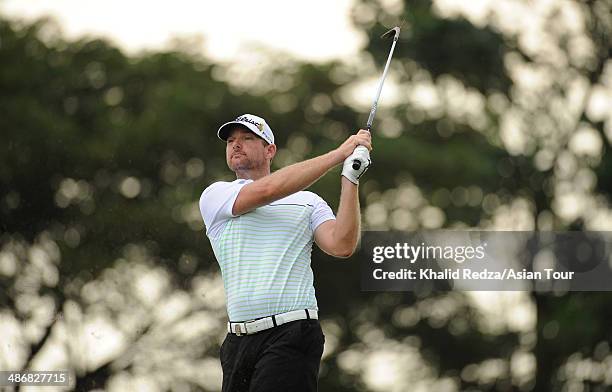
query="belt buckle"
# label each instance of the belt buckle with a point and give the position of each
(239, 330)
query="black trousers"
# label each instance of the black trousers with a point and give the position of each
(284, 358)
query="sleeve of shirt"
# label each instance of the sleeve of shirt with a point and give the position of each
(320, 214)
(216, 204)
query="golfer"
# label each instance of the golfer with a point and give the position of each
(262, 227)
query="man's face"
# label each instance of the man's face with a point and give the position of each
(246, 151)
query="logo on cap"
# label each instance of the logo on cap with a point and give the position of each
(250, 121)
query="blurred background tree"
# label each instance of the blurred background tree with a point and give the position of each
(497, 120)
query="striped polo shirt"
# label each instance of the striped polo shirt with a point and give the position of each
(264, 254)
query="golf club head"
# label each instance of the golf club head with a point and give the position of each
(395, 32)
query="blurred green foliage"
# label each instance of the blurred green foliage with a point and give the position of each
(102, 150)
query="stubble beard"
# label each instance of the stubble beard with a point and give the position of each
(245, 164)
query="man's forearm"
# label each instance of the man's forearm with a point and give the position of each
(348, 218)
(298, 176)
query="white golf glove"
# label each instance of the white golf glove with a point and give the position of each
(361, 154)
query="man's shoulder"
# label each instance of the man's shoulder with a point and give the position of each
(219, 185)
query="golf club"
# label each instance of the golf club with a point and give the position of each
(395, 32)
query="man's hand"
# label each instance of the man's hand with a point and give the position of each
(356, 147)
(360, 154)
(361, 138)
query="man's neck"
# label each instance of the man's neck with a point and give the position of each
(251, 174)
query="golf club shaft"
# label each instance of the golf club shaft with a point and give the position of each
(380, 86)
(356, 162)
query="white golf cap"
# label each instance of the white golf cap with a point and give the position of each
(255, 124)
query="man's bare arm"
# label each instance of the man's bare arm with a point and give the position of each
(296, 177)
(339, 237)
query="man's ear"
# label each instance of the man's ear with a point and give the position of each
(270, 151)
